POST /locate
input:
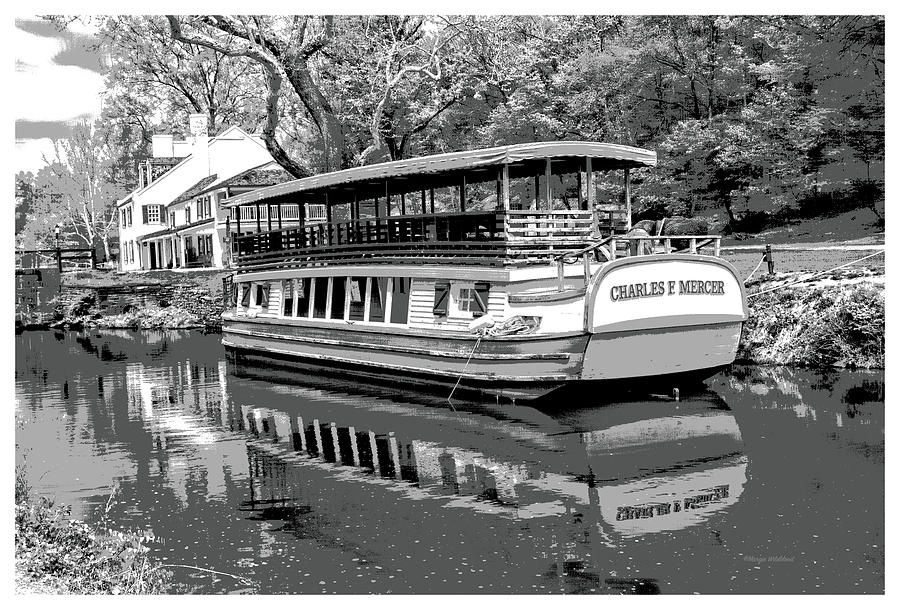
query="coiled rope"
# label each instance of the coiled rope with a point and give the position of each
(756, 294)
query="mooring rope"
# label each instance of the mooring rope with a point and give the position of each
(755, 268)
(756, 294)
(466, 366)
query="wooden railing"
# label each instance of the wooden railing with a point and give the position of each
(483, 237)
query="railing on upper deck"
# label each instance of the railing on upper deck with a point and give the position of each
(493, 237)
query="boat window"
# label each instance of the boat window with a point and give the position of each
(338, 297)
(376, 304)
(474, 299)
(400, 300)
(441, 298)
(357, 298)
(262, 295)
(320, 298)
(303, 289)
(287, 297)
(245, 297)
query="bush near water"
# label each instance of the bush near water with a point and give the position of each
(835, 322)
(57, 554)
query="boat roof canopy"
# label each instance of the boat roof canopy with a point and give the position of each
(448, 169)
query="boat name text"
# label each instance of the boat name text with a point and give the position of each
(640, 290)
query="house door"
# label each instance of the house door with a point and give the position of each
(152, 247)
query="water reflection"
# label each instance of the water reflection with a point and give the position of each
(282, 479)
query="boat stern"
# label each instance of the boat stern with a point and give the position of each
(663, 316)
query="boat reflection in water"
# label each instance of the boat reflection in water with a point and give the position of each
(601, 475)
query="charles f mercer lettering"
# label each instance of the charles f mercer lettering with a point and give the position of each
(657, 289)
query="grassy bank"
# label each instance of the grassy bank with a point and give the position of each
(56, 554)
(836, 320)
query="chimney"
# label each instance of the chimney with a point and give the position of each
(199, 126)
(163, 146)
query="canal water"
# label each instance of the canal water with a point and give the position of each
(769, 481)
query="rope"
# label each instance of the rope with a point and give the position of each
(456, 385)
(755, 269)
(756, 294)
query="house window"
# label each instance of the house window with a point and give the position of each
(172, 219)
(338, 297)
(357, 298)
(153, 216)
(187, 214)
(128, 210)
(304, 287)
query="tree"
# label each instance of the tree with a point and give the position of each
(76, 192)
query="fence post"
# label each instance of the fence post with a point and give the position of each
(769, 260)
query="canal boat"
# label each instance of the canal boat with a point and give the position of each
(498, 270)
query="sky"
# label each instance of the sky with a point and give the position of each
(57, 82)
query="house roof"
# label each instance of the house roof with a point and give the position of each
(195, 190)
(176, 230)
(435, 170)
(222, 136)
(262, 175)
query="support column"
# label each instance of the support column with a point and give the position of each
(462, 194)
(395, 454)
(627, 199)
(269, 216)
(374, 446)
(354, 448)
(505, 186)
(258, 219)
(317, 431)
(591, 195)
(334, 440)
(301, 431)
(537, 193)
(548, 190)
(432, 200)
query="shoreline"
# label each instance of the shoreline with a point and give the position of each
(835, 320)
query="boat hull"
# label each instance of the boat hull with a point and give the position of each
(550, 367)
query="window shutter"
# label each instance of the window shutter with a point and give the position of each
(441, 298)
(481, 297)
(245, 299)
(265, 296)
(144, 214)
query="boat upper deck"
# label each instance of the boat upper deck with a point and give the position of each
(506, 205)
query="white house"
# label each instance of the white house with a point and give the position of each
(176, 169)
(198, 230)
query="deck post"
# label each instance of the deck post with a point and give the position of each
(586, 259)
(334, 440)
(238, 218)
(561, 273)
(462, 194)
(506, 186)
(269, 215)
(301, 431)
(317, 432)
(354, 448)
(537, 190)
(591, 195)
(548, 189)
(374, 447)
(279, 216)
(403, 204)
(431, 194)
(395, 454)
(581, 199)
(258, 219)
(423, 202)
(627, 199)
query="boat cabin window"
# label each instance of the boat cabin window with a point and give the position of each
(303, 288)
(262, 295)
(400, 300)
(320, 296)
(338, 297)
(472, 299)
(357, 299)
(287, 297)
(376, 303)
